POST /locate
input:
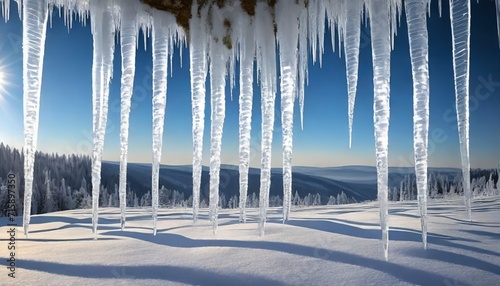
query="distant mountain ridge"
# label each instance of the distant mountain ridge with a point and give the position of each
(358, 182)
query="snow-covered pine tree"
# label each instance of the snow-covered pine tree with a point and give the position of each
(49, 204)
(331, 200)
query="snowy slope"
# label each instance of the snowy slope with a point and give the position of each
(334, 245)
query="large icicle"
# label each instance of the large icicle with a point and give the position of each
(247, 53)
(460, 28)
(198, 73)
(287, 21)
(417, 34)
(162, 38)
(381, 54)
(266, 67)
(103, 31)
(219, 56)
(35, 13)
(128, 40)
(351, 30)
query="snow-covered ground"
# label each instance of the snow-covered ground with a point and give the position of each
(327, 245)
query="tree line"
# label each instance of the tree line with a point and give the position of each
(61, 182)
(484, 182)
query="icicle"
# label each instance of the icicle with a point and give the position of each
(288, 29)
(198, 73)
(6, 9)
(51, 9)
(380, 23)
(162, 38)
(334, 10)
(128, 41)
(460, 28)
(19, 8)
(418, 38)
(103, 30)
(303, 62)
(352, 32)
(34, 26)
(247, 52)
(312, 27)
(144, 37)
(232, 68)
(266, 70)
(219, 56)
(320, 26)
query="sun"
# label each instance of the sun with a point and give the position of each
(4, 85)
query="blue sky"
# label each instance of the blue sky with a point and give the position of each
(66, 101)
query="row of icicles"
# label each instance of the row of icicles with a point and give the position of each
(217, 38)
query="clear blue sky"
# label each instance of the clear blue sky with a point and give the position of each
(66, 101)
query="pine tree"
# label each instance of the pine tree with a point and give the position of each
(49, 204)
(331, 200)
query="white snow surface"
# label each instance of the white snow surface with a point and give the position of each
(327, 245)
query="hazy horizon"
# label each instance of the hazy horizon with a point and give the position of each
(258, 167)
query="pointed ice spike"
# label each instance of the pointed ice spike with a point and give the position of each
(312, 27)
(352, 36)
(103, 32)
(381, 55)
(219, 56)
(128, 40)
(287, 35)
(6, 9)
(162, 37)
(303, 62)
(198, 75)
(418, 38)
(460, 28)
(266, 68)
(247, 52)
(35, 14)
